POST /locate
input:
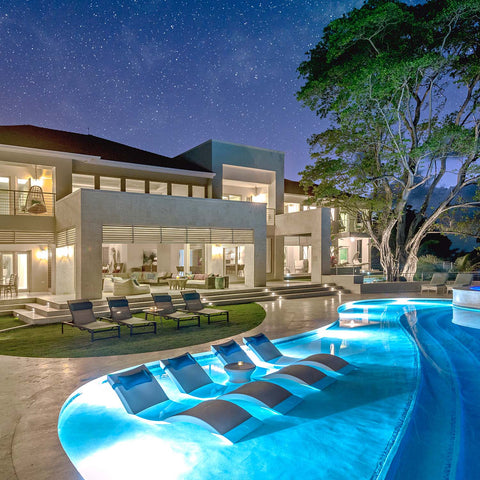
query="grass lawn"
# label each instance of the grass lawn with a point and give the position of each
(9, 322)
(48, 341)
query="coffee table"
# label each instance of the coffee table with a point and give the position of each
(177, 283)
(239, 372)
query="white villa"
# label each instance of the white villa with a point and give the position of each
(74, 208)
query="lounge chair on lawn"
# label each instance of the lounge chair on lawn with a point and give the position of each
(266, 351)
(164, 308)
(84, 319)
(120, 312)
(193, 304)
(438, 283)
(141, 394)
(190, 377)
(462, 280)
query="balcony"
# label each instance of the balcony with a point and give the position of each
(14, 202)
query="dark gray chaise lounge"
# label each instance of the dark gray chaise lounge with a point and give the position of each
(83, 318)
(141, 394)
(193, 304)
(189, 376)
(165, 309)
(302, 374)
(121, 314)
(230, 352)
(266, 351)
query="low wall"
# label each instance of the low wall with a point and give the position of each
(391, 287)
(354, 283)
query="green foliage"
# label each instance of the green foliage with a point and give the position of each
(400, 85)
(427, 266)
(469, 262)
(48, 341)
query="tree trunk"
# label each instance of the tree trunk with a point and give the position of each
(387, 259)
(410, 267)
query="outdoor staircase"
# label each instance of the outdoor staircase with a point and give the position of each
(40, 311)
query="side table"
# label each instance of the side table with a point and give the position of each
(239, 372)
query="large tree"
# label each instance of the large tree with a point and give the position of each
(400, 86)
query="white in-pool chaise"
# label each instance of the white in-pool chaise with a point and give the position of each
(142, 395)
(191, 378)
(267, 352)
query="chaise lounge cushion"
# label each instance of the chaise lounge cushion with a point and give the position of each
(128, 287)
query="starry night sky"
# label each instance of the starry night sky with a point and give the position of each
(164, 75)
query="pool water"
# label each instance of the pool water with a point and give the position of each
(408, 411)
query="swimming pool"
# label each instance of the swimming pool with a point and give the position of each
(388, 419)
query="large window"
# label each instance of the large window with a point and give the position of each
(82, 181)
(110, 183)
(179, 190)
(158, 188)
(291, 207)
(198, 191)
(134, 186)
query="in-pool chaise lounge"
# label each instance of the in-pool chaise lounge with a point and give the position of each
(266, 351)
(83, 318)
(193, 304)
(120, 312)
(230, 352)
(265, 394)
(142, 395)
(303, 374)
(189, 377)
(165, 309)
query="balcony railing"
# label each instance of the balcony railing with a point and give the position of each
(14, 202)
(270, 216)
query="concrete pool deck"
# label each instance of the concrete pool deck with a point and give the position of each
(33, 390)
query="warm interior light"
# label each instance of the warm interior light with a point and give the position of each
(42, 254)
(38, 182)
(240, 362)
(260, 198)
(22, 181)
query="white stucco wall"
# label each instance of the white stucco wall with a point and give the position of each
(89, 210)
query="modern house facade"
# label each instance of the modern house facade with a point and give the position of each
(75, 207)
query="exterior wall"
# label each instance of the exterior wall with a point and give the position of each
(89, 210)
(213, 155)
(317, 224)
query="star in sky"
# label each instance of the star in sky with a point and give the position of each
(164, 75)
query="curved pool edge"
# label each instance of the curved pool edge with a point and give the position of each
(389, 452)
(398, 435)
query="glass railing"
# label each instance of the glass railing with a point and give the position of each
(29, 202)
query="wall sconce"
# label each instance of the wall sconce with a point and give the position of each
(42, 254)
(217, 251)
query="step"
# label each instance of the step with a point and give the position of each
(43, 311)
